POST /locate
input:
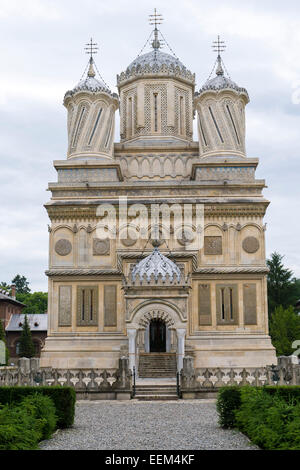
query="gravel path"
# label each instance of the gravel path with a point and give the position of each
(110, 425)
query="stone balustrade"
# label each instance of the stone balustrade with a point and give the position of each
(196, 382)
(88, 383)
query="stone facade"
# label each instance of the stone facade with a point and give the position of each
(218, 311)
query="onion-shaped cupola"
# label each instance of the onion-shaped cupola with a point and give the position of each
(91, 115)
(156, 267)
(156, 96)
(220, 106)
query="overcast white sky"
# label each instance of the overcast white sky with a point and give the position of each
(42, 56)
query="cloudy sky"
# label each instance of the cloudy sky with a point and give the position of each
(42, 56)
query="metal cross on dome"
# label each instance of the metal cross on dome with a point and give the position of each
(219, 46)
(92, 48)
(155, 19)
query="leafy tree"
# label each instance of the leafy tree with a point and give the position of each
(26, 343)
(35, 302)
(21, 283)
(4, 286)
(283, 288)
(3, 338)
(284, 329)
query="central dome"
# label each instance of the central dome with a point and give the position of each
(156, 265)
(156, 58)
(156, 63)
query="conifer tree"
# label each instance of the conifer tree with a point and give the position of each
(26, 343)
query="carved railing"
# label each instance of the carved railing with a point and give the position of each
(83, 380)
(201, 379)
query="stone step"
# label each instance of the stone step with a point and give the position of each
(156, 397)
(157, 365)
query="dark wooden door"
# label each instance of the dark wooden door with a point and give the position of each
(157, 336)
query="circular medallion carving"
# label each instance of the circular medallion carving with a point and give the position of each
(101, 246)
(250, 244)
(63, 247)
(128, 241)
(187, 238)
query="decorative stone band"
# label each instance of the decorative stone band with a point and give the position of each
(229, 86)
(148, 71)
(80, 272)
(233, 270)
(87, 209)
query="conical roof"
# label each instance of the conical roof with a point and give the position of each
(156, 265)
(90, 83)
(221, 82)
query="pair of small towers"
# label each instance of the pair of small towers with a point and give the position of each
(157, 101)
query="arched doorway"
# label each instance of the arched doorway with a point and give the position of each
(157, 333)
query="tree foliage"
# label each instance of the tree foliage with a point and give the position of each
(26, 343)
(284, 330)
(21, 283)
(36, 302)
(283, 287)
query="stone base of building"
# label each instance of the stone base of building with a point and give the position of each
(79, 352)
(92, 396)
(232, 351)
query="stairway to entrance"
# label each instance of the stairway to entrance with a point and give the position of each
(155, 391)
(155, 365)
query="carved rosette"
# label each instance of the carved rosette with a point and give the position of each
(101, 246)
(63, 247)
(250, 244)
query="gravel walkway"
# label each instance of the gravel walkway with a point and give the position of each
(110, 425)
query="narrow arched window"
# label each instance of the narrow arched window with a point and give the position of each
(155, 112)
(181, 115)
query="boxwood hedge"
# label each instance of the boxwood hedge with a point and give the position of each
(64, 399)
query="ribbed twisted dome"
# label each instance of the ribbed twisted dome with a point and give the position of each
(89, 84)
(220, 82)
(156, 265)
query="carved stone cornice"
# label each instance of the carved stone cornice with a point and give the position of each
(81, 272)
(86, 209)
(233, 270)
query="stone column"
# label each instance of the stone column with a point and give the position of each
(180, 347)
(147, 339)
(131, 332)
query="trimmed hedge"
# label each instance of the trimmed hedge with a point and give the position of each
(23, 425)
(64, 399)
(229, 400)
(269, 416)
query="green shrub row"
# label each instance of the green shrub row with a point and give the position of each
(64, 399)
(24, 424)
(269, 416)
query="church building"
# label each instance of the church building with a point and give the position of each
(121, 285)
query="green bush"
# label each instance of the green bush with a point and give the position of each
(64, 399)
(24, 424)
(229, 400)
(42, 409)
(268, 420)
(286, 392)
(18, 430)
(269, 416)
